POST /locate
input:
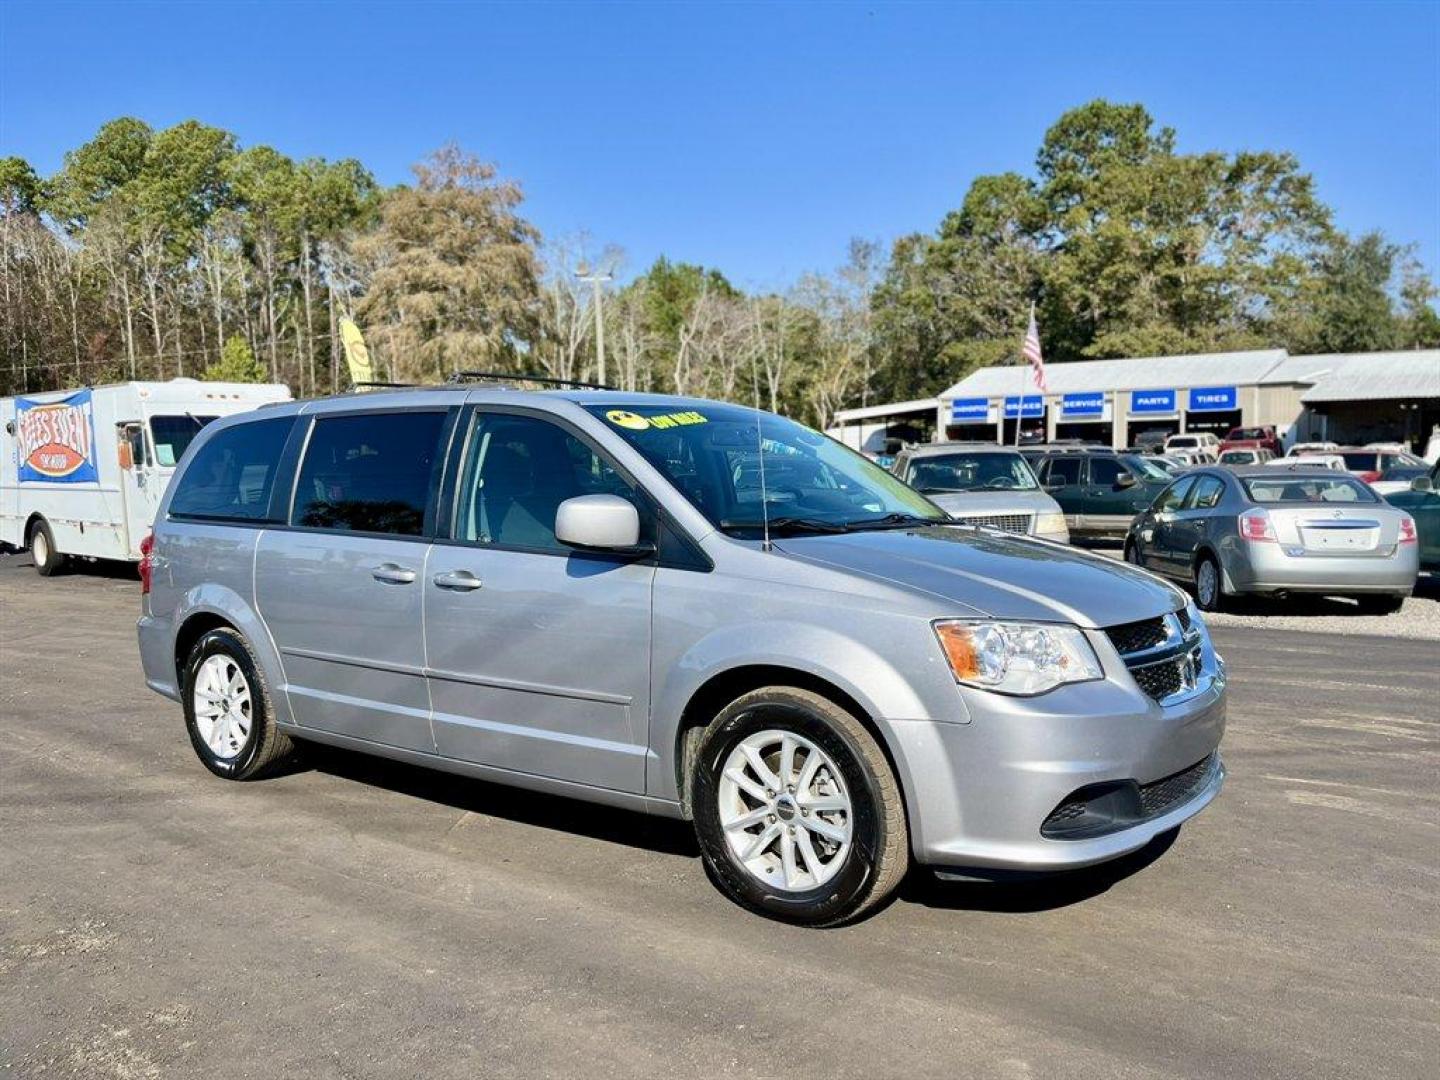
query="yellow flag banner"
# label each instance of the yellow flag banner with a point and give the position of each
(357, 356)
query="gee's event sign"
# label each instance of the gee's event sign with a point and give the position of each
(55, 440)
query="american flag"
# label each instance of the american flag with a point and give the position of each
(1031, 352)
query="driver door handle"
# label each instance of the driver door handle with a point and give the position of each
(392, 574)
(460, 580)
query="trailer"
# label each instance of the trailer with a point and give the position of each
(82, 471)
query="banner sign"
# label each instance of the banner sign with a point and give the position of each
(1034, 407)
(1152, 401)
(55, 440)
(357, 356)
(1214, 399)
(1092, 404)
(969, 410)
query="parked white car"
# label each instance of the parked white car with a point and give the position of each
(82, 471)
(1206, 442)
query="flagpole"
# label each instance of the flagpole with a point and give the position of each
(1020, 405)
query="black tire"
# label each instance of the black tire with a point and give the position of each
(1132, 553)
(48, 561)
(1380, 605)
(1206, 599)
(878, 855)
(264, 745)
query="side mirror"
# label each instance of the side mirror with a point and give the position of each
(127, 456)
(599, 523)
(1422, 483)
(1124, 480)
(1056, 485)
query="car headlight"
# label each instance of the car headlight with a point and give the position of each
(1049, 523)
(1016, 658)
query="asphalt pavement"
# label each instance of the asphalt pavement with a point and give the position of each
(355, 919)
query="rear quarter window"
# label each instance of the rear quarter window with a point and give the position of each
(231, 476)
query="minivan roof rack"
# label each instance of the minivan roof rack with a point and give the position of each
(504, 377)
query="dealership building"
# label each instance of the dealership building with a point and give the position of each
(1341, 397)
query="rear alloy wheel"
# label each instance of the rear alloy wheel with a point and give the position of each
(797, 811)
(47, 560)
(1209, 585)
(227, 708)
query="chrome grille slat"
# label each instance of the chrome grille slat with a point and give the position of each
(1016, 523)
(1163, 654)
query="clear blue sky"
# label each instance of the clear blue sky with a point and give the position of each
(757, 139)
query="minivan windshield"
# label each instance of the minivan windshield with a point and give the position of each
(972, 471)
(712, 454)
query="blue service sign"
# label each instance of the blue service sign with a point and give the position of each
(969, 410)
(1152, 401)
(1033, 406)
(1083, 404)
(1214, 399)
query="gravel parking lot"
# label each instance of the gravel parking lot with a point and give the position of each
(358, 919)
(1419, 618)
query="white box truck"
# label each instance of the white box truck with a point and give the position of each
(82, 471)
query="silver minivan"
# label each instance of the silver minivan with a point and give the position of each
(686, 608)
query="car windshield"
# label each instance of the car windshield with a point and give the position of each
(713, 455)
(1183, 441)
(1247, 433)
(1308, 489)
(173, 435)
(989, 470)
(1148, 470)
(1237, 457)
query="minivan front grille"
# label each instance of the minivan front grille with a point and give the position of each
(1016, 523)
(1163, 654)
(1098, 809)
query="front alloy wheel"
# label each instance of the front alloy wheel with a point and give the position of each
(786, 814)
(797, 811)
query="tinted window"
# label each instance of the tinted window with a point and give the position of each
(713, 453)
(1174, 495)
(517, 472)
(1208, 491)
(1064, 470)
(369, 473)
(968, 471)
(173, 436)
(232, 474)
(1360, 460)
(1308, 489)
(1104, 471)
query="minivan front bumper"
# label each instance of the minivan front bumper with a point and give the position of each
(987, 794)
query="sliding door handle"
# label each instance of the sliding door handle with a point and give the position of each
(392, 574)
(460, 581)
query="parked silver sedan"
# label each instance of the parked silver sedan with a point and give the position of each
(983, 484)
(1265, 530)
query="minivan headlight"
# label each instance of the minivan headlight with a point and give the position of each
(1016, 658)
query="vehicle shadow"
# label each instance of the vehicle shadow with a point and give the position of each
(611, 824)
(1031, 895)
(1427, 587)
(112, 569)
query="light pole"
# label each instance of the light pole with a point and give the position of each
(596, 278)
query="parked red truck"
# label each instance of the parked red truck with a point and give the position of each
(1246, 437)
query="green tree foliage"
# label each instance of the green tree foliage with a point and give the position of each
(455, 275)
(1131, 248)
(237, 363)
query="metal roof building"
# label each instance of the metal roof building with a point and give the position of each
(1347, 397)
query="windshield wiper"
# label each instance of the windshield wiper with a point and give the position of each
(894, 521)
(788, 524)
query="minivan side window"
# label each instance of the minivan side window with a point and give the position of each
(517, 471)
(369, 472)
(232, 474)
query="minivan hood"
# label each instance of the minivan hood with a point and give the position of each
(996, 574)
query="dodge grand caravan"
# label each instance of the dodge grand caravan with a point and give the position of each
(686, 608)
